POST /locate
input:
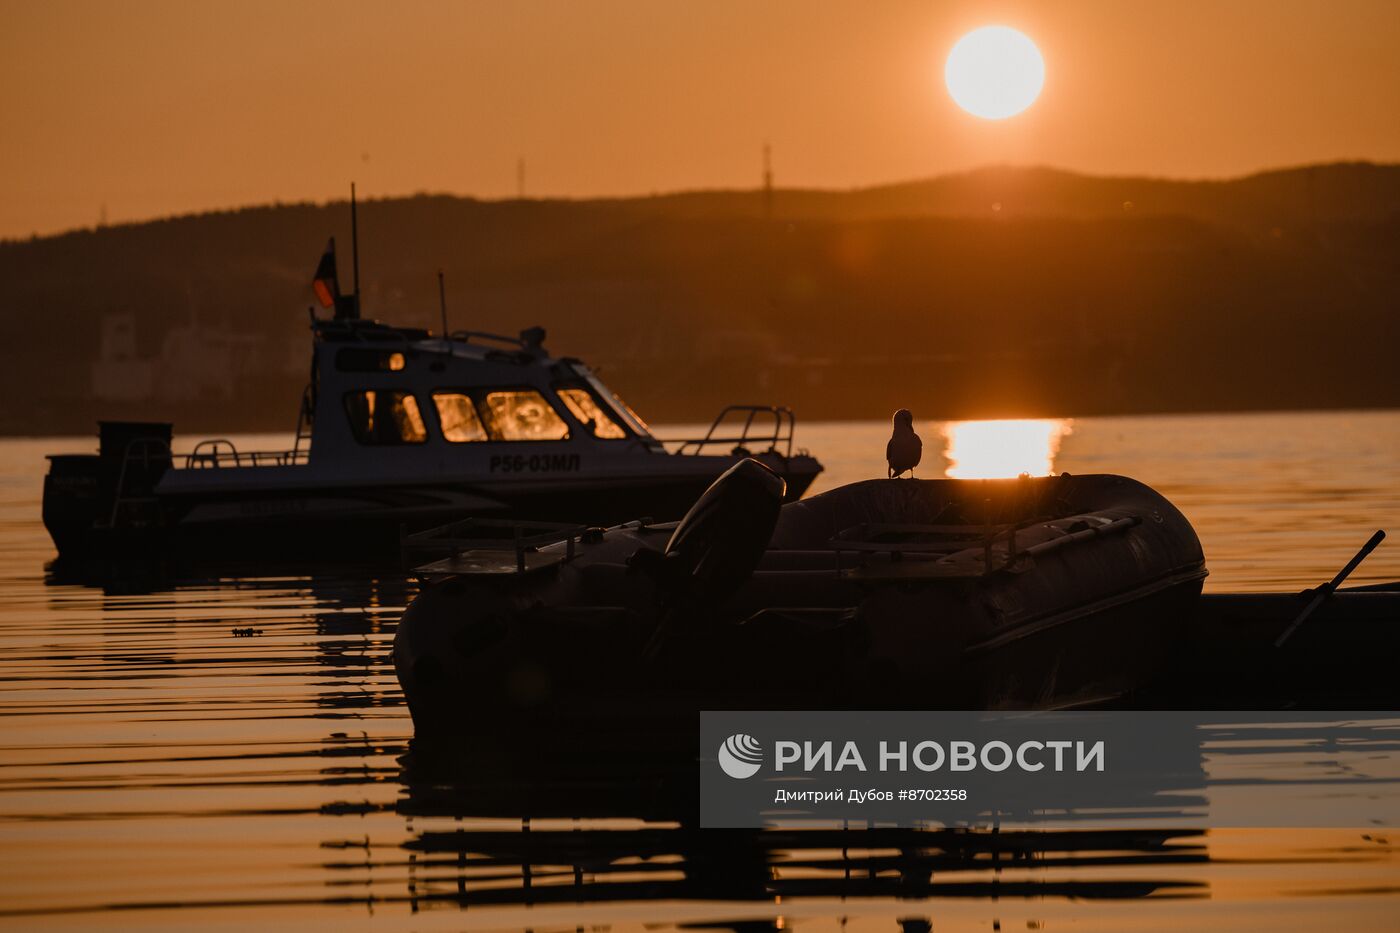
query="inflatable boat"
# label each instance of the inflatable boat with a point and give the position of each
(1019, 593)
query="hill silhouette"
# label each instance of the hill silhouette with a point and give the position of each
(1002, 291)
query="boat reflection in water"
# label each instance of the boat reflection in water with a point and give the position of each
(1003, 448)
(547, 825)
(486, 832)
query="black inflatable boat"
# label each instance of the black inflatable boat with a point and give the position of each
(1020, 593)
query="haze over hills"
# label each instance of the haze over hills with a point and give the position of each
(1003, 291)
(1343, 192)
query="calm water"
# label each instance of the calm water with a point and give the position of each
(158, 770)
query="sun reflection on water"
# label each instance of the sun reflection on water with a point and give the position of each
(991, 449)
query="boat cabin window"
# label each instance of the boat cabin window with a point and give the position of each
(368, 360)
(583, 407)
(385, 418)
(458, 419)
(523, 415)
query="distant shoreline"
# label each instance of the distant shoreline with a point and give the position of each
(974, 176)
(662, 423)
(992, 292)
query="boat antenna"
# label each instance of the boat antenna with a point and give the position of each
(355, 247)
(442, 305)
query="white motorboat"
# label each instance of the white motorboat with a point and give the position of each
(399, 430)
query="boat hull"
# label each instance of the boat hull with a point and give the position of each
(1341, 658)
(299, 521)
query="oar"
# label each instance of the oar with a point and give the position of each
(1327, 589)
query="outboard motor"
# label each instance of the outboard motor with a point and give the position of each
(720, 541)
(712, 553)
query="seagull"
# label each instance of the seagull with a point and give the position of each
(904, 449)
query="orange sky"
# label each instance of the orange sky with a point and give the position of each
(154, 108)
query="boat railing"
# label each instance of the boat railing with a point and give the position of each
(783, 424)
(221, 452)
(998, 540)
(362, 331)
(897, 540)
(132, 506)
(530, 343)
(468, 336)
(485, 545)
(306, 418)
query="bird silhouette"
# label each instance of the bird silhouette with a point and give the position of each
(905, 450)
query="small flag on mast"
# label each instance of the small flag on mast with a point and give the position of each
(326, 284)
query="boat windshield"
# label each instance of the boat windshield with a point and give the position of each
(621, 408)
(586, 409)
(458, 418)
(523, 415)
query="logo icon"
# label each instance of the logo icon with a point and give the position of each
(741, 756)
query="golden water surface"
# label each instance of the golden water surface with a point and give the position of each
(160, 770)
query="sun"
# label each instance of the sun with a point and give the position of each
(994, 72)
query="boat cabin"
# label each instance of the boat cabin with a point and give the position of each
(399, 430)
